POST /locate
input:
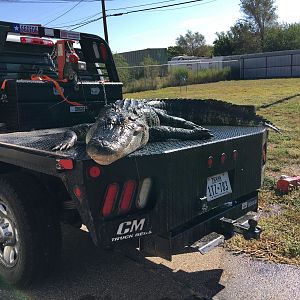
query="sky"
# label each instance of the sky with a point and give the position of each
(155, 29)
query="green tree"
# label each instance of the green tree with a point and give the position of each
(174, 51)
(240, 39)
(244, 40)
(260, 15)
(122, 67)
(283, 37)
(223, 44)
(193, 44)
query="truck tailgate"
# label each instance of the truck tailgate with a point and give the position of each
(181, 176)
(179, 170)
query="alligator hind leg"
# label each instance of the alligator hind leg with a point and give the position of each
(162, 133)
(173, 121)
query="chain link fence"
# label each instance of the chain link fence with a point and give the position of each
(156, 76)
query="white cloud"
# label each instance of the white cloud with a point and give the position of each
(288, 10)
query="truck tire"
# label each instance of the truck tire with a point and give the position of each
(30, 234)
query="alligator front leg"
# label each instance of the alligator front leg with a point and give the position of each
(70, 137)
(162, 133)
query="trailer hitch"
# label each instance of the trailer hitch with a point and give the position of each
(246, 225)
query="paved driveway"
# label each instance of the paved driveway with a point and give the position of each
(88, 273)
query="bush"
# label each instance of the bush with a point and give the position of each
(139, 85)
(202, 76)
(177, 77)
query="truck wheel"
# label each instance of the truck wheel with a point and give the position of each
(30, 234)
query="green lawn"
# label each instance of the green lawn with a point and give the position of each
(281, 214)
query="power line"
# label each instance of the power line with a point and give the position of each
(76, 20)
(78, 25)
(153, 8)
(74, 6)
(141, 5)
(168, 9)
(48, 1)
(114, 9)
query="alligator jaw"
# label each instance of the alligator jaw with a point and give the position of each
(106, 149)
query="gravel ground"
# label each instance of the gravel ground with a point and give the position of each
(88, 273)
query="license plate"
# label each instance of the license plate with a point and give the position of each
(218, 186)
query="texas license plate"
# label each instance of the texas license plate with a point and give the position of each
(218, 186)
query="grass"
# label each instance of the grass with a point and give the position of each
(280, 241)
(174, 79)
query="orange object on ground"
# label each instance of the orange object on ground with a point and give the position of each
(286, 183)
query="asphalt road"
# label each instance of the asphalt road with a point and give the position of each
(88, 273)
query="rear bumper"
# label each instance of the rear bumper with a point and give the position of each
(223, 220)
(217, 221)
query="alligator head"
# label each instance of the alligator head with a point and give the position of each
(115, 134)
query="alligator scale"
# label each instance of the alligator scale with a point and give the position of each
(129, 124)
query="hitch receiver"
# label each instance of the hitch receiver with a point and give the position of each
(246, 225)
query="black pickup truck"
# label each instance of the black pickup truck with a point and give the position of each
(163, 198)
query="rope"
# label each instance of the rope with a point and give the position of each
(57, 86)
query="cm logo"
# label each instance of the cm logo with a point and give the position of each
(131, 226)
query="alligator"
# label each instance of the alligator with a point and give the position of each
(127, 125)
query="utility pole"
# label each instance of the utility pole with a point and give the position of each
(104, 21)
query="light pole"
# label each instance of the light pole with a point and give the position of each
(104, 21)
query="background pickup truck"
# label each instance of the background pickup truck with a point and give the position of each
(163, 198)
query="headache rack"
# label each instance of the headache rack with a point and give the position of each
(53, 78)
(20, 58)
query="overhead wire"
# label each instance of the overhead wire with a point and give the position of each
(116, 9)
(63, 14)
(168, 9)
(78, 25)
(141, 5)
(76, 20)
(48, 1)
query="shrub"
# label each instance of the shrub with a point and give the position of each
(177, 77)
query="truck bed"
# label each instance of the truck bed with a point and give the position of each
(40, 142)
(180, 198)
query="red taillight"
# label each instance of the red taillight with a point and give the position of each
(210, 161)
(94, 171)
(64, 164)
(103, 52)
(223, 158)
(110, 198)
(127, 195)
(36, 41)
(235, 155)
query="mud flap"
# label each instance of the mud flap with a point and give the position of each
(156, 246)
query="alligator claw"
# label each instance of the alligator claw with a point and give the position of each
(62, 146)
(68, 142)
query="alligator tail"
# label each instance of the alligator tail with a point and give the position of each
(212, 112)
